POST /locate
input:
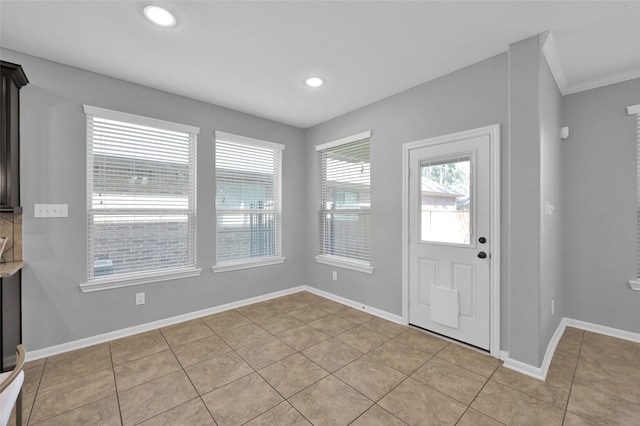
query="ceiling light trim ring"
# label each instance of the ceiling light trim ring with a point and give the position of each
(159, 16)
(314, 82)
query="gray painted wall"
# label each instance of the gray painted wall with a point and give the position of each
(599, 175)
(524, 200)
(472, 97)
(535, 269)
(551, 232)
(53, 171)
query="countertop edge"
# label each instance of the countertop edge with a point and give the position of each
(8, 269)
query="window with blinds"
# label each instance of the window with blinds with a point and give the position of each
(141, 195)
(635, 110)
(345, 202)
(248, 201)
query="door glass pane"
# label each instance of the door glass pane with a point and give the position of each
(445, 191)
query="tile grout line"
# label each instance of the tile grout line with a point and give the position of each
(250, 366)
(300, 353)
(115, 383)
(187, 374)
(33, 404)
(434, 356)
(56, 384)
(284, 399)
(476, 397)
(375, 402)
(160, 377)
(165, 375)
(478, 393)
(603, 391)
(389, 339)
(573, 377)
(75, 408)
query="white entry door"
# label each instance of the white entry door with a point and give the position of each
(449, 238)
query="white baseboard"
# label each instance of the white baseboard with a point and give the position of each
(129, 331)
(521, 367)
(357, 305)
(540, 373)
(602, 329)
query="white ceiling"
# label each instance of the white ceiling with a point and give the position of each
(254, 56)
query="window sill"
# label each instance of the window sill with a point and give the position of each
(108, 283)
(246, 264)
(635, 284)
(345, 262)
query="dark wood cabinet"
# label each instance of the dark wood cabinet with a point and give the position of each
(13, 78)
(11, 320)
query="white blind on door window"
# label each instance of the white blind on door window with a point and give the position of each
(141, 194)
(248, 199)
(345, 200)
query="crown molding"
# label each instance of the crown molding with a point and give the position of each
(601, 82)
(550, 52)
(553, 59)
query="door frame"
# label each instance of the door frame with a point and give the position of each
(493, 132)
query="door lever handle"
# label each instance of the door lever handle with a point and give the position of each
(482, 255)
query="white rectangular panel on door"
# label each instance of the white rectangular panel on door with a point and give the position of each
(428, 277)
(464, 280)
(445, 309)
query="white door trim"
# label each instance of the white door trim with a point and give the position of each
(494, 133)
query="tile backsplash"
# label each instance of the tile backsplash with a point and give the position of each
(11, 227)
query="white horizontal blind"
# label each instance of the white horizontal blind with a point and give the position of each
(638, 187)
(141, 195)
(635, 110)
(345, 200)
(248, 199)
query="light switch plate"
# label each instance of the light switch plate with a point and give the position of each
(51, 210)
(548, 208)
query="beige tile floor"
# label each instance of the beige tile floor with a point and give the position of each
(302, 359)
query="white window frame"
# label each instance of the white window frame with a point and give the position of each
(333, 260)
(635, 110)
(152, 275)
(254, 262)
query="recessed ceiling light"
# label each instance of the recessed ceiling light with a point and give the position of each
(159, 16)
(314, 82)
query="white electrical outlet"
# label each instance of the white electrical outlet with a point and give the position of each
(335, 275)
(139, 298)
(51, 210)
(553, 306)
